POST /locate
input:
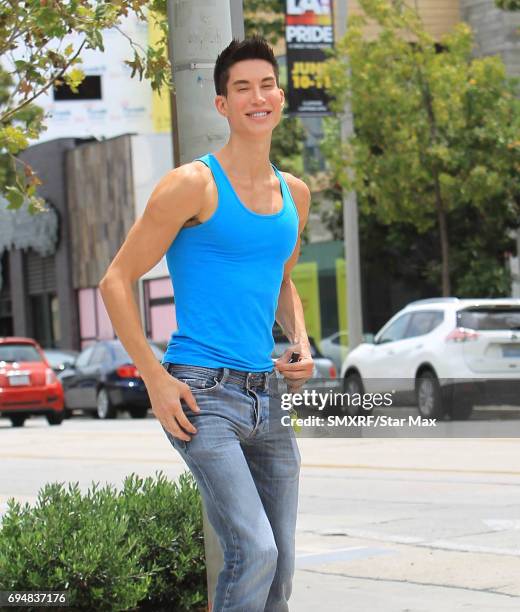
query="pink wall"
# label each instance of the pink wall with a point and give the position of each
(160, 287)
(161, 316)
(163, 322)
(87, 313)
(94, 322)
(105, 330)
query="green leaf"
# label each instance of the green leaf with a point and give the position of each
(15, 197)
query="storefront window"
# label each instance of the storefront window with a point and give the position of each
(43, 319)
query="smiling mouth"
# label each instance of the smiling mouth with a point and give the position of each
(258, 114)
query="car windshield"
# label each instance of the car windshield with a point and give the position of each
(57, 358)
(122, 355)
(19, 352)
(489, 319)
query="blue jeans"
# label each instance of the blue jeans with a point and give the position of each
(247, 467)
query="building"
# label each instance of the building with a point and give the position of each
(95, 190)
(108, 102)
(115, 128)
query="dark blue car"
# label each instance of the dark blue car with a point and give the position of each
(103, 380)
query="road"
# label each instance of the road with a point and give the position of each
(384, 524)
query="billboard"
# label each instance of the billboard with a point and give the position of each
(309, 30)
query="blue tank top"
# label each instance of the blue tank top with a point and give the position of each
(226, 274)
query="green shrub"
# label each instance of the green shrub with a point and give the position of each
(140, 548)
(168, 518)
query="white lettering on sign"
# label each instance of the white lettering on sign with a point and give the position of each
(300, 7)
(309, 34)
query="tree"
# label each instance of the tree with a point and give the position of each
(266, 18)
(508, 5)
(436, 131)
(31, 35)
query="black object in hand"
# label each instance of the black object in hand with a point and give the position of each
(294, 358)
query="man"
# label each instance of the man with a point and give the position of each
(230, 226)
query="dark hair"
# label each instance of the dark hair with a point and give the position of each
(254, 47)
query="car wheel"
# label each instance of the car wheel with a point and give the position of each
(55, 418)
(353, 385)
(104, 407)
(138, 412)
(429, 395)
(461, 410)
(18, 420)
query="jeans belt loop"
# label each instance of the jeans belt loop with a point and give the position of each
(266, 381)
(248, 376)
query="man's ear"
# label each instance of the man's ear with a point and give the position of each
(221, 105)
(282, 93)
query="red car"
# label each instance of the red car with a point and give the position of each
(28, 385)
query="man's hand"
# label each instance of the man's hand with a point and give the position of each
(296, 374)
(165, 396)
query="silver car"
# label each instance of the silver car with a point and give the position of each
(324, 377)
(323, 366)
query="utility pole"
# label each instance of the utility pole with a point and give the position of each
(350, 217)
(198, 31)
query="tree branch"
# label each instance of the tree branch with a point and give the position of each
(9, 115)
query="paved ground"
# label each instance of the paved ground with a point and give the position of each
(384, 524)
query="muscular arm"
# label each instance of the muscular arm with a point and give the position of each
(289, 313)
(177, 198)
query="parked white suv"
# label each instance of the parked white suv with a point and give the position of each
(443, 355)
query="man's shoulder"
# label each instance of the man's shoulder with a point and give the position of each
(299, 190)
(192, 175)
(184, 190)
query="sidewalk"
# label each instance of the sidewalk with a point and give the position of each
(418, 525)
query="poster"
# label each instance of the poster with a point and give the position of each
(309, 30)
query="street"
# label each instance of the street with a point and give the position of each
(384, 524)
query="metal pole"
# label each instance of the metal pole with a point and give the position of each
(198, 31)
(350, 218)
(173, 96)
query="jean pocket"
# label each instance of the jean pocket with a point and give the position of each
(179, 445)
(199, 385)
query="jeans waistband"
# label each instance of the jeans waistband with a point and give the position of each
(248, 380)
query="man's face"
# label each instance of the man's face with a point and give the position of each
(254, 102)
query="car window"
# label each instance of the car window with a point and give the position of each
(19, 352)
(489, 318)
(423, 322)
(395, 331)
(84, 357)
(122, 355)
(99, 356)
(340, 338)
(57, 358)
